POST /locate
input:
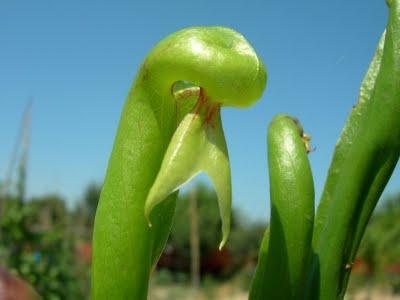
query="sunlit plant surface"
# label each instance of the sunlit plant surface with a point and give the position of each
(171, 130)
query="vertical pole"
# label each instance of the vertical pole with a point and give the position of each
(194, 240)
(25, 152)
(23, 135)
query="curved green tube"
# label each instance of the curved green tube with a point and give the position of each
(363, 162)
(153, 123)
(283, 260)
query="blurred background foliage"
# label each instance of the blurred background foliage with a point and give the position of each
(48, 245)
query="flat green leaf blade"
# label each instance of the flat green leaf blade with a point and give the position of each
(358, 175)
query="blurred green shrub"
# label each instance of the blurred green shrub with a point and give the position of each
(36, 246)
(380, 247)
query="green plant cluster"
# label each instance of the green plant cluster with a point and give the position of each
(317, 255)
(167, 136)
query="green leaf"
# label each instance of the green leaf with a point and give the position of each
(283, 261)
(198, 145)
(364, 159)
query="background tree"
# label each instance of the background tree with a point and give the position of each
(244, 240)
(380, 248)
(36, 245)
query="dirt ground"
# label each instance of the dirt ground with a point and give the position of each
(228, 292)
(373, 295)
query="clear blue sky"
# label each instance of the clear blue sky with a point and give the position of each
(78, 58)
